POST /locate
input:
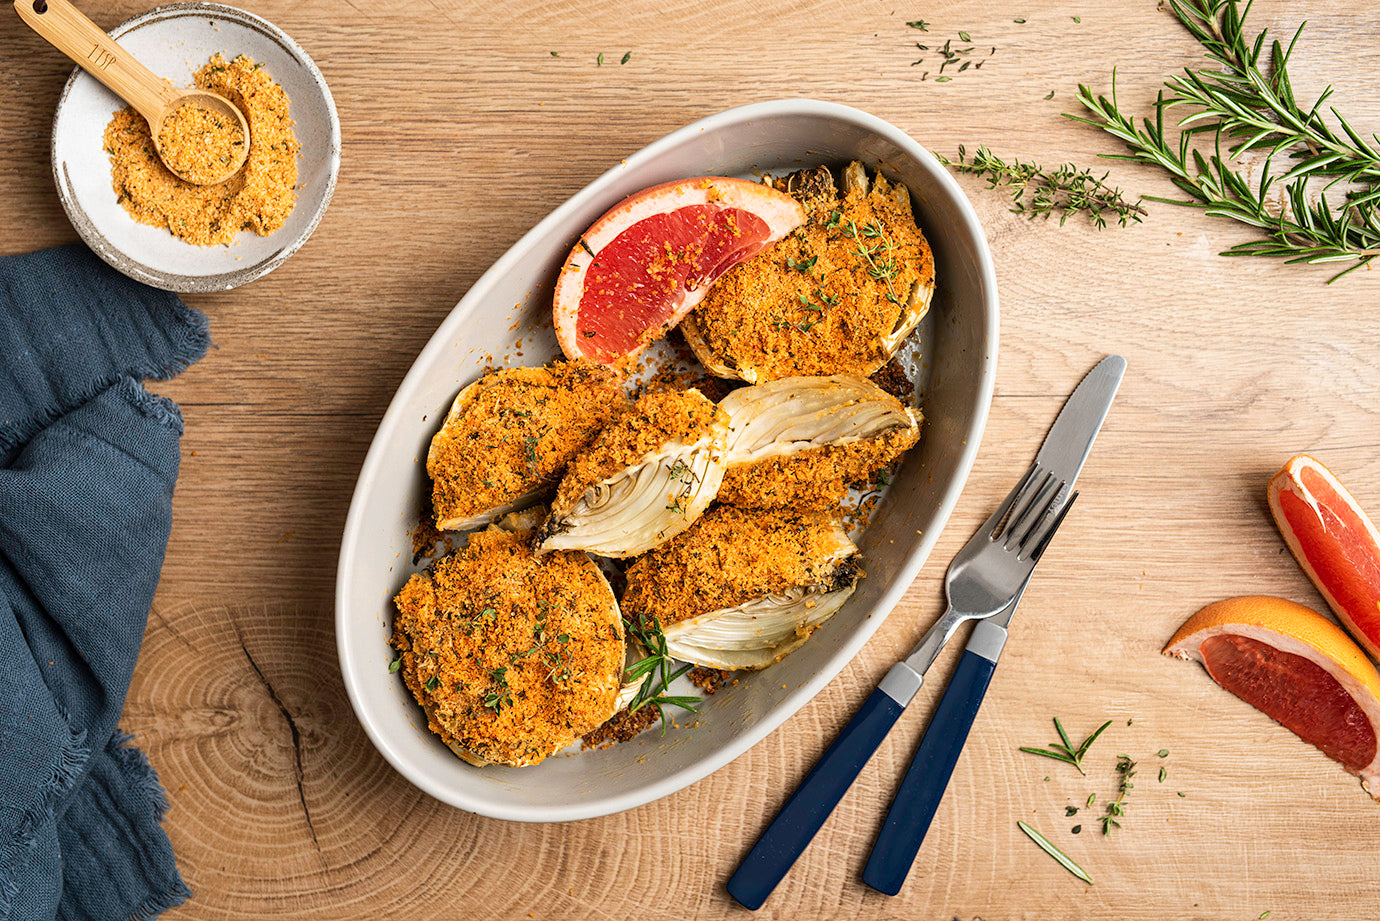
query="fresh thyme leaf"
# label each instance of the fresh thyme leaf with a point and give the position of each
(1243, 103)
(432, 682)
(1163, 773)
(1038, 192)
(1163, 753)
(395, 665)
(1048, 847)
(1077, 19)
(1076, 829)
(627, 56)
(942, 79)
(1050, 95)
(1092, 798)
(1019, 22)
(965, 36)
(1070, 811)
(919, 24)
(599, 61)
(555, 54)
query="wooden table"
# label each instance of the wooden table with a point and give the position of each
(460, 131)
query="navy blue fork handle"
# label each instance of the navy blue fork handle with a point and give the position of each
(928, 775)
(810, 805)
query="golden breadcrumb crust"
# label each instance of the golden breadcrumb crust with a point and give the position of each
(728, 557)
(813, 304)
(814, 479)
(512, 657)
(654, 421)
(514, 430)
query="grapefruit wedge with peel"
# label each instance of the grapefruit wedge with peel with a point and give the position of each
(1334, 541)
(646, 263)
(1295, 666)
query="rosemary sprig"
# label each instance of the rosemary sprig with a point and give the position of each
(1064, 751)
(657, 667)
(1116, 808)
(1048, 847)
(1245, 103)
(1038, 192)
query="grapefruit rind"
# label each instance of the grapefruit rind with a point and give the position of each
(781, 213)
(1290, 478)
(1301, 631)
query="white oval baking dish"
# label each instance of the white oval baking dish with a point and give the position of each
(956, 381)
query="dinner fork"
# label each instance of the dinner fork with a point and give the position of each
(984, 578)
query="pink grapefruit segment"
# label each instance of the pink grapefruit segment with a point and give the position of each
(1296, 666)
(647, 262)
(1334, 541)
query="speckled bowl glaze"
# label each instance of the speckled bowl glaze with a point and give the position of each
(174, 42)
(512, 301)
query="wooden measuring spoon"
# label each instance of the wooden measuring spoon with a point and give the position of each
(65, 28)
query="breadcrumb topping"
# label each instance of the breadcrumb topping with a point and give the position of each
(817, 478)
(513, 431)
(731, 556)
(656, 420)
(821, 299)
(511, 656)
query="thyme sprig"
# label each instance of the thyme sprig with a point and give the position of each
(1038, 192)
(657, 667)
(1064, 751)
(1245, 103)
(1116, 808)
(874, 247)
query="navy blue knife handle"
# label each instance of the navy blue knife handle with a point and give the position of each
(812, 802)
(923, 787)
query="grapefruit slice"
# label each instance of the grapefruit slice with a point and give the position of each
(1295, 666)
(647, 262)
(1334, 541)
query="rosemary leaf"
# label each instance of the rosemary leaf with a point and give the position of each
(1048, 847)
(1243, 103)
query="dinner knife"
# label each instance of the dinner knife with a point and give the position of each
(1064, 450)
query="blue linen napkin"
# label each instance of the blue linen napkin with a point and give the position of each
(88, 459)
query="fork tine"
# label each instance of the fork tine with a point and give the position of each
(1029, 495)
(1053, 526)
(1011, 497)
(1035, 513)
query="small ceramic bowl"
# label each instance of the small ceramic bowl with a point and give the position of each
(174, 42)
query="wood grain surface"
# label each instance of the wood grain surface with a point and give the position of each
(460, 131)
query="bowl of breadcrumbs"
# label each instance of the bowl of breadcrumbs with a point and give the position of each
(156, 226)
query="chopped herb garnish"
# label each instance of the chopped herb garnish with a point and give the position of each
(394, 665)
(627, 56)
(432, 682)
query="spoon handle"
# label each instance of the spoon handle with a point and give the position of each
(65, 28)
